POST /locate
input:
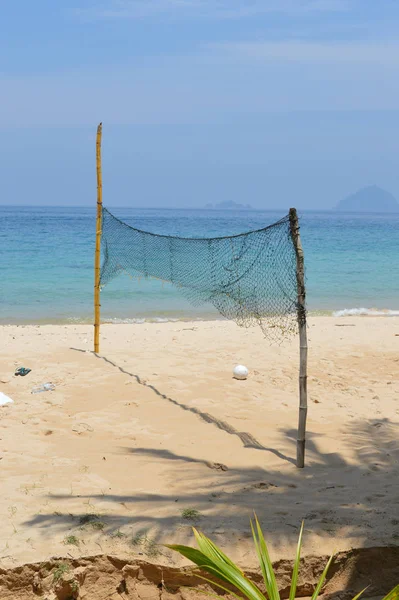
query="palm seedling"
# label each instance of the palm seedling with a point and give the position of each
(209, 558)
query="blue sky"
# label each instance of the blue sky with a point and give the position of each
(269, 102)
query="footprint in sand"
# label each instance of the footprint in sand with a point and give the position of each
(80, 428)
(217, 466)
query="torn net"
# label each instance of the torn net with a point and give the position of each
(249, 278)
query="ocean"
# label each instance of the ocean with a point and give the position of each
(47, 254)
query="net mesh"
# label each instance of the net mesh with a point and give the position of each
(249, 278)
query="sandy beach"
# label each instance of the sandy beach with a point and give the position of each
(137, 444)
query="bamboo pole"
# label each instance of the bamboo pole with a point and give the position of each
(97, 256)
(303, 340)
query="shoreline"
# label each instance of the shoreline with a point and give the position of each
(313, 313)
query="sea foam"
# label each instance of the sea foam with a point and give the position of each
(370, 312)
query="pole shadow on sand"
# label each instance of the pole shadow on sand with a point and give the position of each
(248, 440)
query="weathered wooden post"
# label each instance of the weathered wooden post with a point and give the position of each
(303, 339)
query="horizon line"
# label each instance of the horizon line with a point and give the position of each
(253, 209)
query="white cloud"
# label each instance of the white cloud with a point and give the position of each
(221, 9)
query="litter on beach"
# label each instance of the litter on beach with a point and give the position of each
(22, 371)
(5, 399)
(46, 387)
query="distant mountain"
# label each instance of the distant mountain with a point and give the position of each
(229, 204)
(369, 199)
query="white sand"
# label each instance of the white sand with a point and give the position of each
(136, 442)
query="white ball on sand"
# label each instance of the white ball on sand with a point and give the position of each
(240, 372)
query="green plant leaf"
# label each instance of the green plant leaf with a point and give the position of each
(322, 578)
(393, 594)
(360, 593)
(295, 571)
(196, 556)
(212, 560)
(211, 550)
(219, 586)
(265, 562)
(235, 577)
(225, 568)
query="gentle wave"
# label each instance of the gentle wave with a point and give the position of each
(137, 321)
(370, 312)
(140, 321)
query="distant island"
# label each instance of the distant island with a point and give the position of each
(369, 199)
(229, 204)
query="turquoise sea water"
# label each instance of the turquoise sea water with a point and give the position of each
(46, 262)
